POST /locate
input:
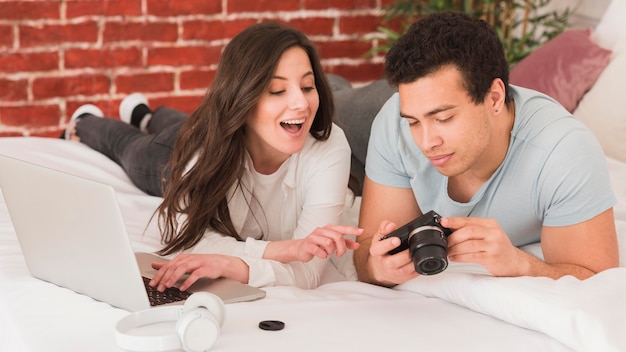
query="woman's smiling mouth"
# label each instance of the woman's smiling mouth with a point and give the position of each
(292, 125)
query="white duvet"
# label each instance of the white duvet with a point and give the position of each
(587, 315)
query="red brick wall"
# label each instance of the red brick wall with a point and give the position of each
(58, 54)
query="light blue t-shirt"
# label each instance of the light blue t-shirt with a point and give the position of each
(554, 172)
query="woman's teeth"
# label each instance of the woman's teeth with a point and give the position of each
(293, 122)
(292, 125)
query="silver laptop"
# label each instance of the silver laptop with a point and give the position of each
(72, 234)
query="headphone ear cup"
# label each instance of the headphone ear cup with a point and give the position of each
(198, 330)
(211, 302)
(199, 325)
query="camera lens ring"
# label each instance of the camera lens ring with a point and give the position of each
(424, 228)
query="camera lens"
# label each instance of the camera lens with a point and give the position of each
(428, 249)
(432, 260)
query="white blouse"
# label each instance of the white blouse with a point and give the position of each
(313, 195)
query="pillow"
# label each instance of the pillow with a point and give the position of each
(602, 109)
(612, 27)
(563, 68)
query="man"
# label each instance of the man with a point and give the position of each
(504, 166)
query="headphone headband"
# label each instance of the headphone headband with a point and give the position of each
(198, 324)
(132, 342)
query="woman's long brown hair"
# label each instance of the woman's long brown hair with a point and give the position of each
(214, 134)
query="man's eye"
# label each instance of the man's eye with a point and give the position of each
(413, 122)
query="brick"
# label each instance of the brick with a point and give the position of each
(354, 49)
(110, 108)
(28, 62)
(6, 36)
(67, 86)
(189, 55)
(168, 8)
(13, 90)
(214, 30)
(103, 8)
(196, 79)
(237, 6)
(29, 10)
(145, 82)
(338, 4)
(103, 58)
(152, 31)
(359, 24)
(187, 104)
(395, 24)
(30, 115)
(314, 25)
(365, 72)
(47, 35)
(12, 133)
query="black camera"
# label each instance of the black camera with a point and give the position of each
(427, 242)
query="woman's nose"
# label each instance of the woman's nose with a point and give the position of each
(297, 100)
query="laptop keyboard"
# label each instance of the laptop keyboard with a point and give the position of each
(170, 295)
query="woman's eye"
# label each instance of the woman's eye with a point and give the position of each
(308, 89)
(277, 92)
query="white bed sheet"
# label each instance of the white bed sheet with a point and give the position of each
(340, 316)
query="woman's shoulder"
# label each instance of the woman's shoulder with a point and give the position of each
(336, 142)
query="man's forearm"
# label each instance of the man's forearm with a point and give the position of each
(360, 258)
(537, 267)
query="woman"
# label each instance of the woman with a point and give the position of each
(252, 178)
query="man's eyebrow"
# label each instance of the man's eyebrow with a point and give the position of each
(431, 112)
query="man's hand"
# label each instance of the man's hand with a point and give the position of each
(483, 241)
(389, 270)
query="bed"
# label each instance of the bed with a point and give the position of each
(460, 309)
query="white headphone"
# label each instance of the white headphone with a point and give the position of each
(198, 324)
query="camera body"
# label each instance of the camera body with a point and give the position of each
(427, 242)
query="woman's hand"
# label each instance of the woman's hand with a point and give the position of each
(197, 266)
(321, 243)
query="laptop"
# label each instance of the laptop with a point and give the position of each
(72, 234)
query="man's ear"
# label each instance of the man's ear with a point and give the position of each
(496, 96)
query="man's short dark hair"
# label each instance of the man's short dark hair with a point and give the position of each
(449, 38)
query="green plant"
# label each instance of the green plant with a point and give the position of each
(522, 25)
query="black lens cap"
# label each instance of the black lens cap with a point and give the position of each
(271, 325)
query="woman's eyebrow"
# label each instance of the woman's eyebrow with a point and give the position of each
(309, 73)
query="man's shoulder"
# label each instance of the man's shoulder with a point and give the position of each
(541, 120)
(391, 108)
(387, 121)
